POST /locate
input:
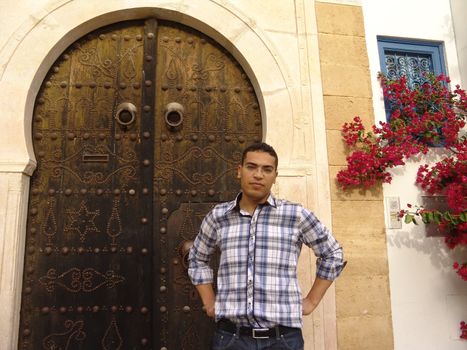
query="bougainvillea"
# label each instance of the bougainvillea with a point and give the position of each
(463, 330)
(422, 117)
(461, 270)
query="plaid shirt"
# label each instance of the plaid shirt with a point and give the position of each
(257, 282)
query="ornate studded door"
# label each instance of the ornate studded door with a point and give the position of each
(138, 128)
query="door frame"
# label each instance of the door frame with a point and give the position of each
(264, 64)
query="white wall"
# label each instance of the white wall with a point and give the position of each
(459, 13)
(428, 298)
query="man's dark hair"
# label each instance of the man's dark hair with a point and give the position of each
(260, 147)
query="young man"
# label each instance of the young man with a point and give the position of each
(258, 303)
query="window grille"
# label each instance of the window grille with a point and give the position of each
(413, 65)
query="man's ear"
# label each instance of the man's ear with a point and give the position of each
(239, 168)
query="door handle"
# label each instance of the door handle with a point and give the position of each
(185, 251)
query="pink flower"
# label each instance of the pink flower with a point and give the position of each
(427, 115)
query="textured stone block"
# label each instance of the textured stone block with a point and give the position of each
(339, 49)
(337, 150)
(341, 109)
(341, 80)
(363, 296)
(358, 219)
(365, 257)
(365, 333)
(339, 19)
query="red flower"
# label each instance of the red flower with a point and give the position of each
(463, 328)
(427, 115)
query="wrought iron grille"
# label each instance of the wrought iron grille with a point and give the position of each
(413, 65)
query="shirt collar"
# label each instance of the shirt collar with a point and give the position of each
(235, 204)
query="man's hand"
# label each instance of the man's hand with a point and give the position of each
(315, 295)
(308, 306)
(208, 297)
(210, 310)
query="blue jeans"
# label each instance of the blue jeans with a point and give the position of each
(224, 340)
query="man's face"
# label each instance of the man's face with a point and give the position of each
(257, 174)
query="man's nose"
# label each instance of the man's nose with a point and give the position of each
(258, 173)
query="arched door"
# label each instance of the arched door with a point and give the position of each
(138, 129)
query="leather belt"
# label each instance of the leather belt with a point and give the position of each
(257, 333)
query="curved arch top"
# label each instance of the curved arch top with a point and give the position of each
(26, 63)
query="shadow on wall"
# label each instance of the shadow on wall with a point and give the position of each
(415, 238)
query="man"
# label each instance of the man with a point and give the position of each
(258, 303)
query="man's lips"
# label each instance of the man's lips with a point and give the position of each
(256, 184)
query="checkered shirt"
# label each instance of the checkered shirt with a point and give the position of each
(257, 281)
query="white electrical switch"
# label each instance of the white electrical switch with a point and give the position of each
(392, 212)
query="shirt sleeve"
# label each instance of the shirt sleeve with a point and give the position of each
(199, 270)
(327, 249)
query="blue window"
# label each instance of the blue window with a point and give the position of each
(412, 58)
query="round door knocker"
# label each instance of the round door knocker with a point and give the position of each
(174, 115)
(126, 113)
(184, 251)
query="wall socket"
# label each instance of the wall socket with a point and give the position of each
(392, 212)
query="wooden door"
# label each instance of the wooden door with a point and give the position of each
(138, 129)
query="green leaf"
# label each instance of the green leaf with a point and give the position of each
(447, 215)
(463, 216)
(409, 218)
(427, 217)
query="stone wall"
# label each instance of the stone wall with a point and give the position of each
(362, 292)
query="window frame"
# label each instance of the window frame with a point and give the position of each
(426, 47)
(416, 46)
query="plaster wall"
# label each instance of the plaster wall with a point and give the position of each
(428, 299)
(277, 44)
(459, 11)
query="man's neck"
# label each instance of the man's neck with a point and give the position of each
(250, 205)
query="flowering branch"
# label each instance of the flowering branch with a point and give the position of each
(428, 115)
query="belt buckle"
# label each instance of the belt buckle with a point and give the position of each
(254, 330)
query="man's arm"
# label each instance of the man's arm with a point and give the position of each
(330, 261)
(206, 292)
(199, 271)
(317, 291)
